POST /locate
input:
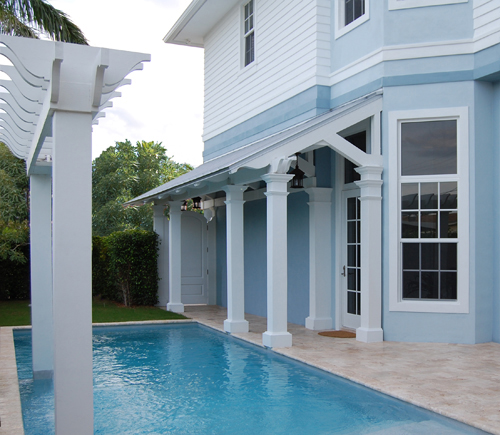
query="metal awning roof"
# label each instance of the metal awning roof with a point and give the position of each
(320, 130)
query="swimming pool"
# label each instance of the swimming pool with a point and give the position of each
(187, 379)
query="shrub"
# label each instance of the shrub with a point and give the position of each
(133, 258)
(103, 282)
(15, 278)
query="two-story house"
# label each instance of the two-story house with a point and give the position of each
(390, 109)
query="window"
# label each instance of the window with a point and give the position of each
(248, 33)
(349, 15)
(431, 242)
(406, 4)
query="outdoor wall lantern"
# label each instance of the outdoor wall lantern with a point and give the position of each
(184, 206)
(298, 176)
(197, 203)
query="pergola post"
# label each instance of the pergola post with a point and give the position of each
(160, 225)
(235, 321)
(72, 272)
(320, 258)
(174, 258)
(277, 334)
(42, 334)
(371, 254)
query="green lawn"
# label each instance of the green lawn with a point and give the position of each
(17, 313)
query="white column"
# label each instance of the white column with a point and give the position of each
(277, 282)
(371, 254)
(160, 225)
(42, 335)
(72, 272)
(174, 258)
(235, 321)
(320, 258)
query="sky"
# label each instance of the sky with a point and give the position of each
(164, 103)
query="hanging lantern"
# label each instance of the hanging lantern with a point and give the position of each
(298, 176)
(184, 206)
(197, 203)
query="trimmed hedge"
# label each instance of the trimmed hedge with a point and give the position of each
(15, 278)
(133, 256)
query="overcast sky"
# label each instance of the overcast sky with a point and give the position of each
(164, 103)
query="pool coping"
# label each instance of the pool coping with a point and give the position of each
(10, 402)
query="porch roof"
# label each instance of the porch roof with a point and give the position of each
(315, 132)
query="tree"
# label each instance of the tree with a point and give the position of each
(14, 206)
(120, 174)
(31, 18)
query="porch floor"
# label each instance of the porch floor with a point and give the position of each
(456, 380)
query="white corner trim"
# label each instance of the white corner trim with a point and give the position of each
(461, 305)
(407, 4)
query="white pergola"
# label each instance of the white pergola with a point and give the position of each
(54, 93)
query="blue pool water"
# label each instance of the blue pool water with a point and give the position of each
(187, 379)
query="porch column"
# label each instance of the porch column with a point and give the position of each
(72, 272)
(42, 334)
(277, 283)
(371, 254)
(174, 258)
(235, 321)
(160, 226)
(320, 258)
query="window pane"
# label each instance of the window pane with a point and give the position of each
(349, 11)
(351, 256)
(428, 225)
(351, 302)
(429, 196)
(351, 232)
(249, 51)
(351, 208)
(411, 285)
(409, 225)
(448, 256)
(448, 285)
(351, 279)
(449, 225)
(411, 256)
(429, 148)
(448, 197)
(430, 285)
(430, 256)
(359, 304)
(409, 196)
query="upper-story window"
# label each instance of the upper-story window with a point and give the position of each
(249, 34)
(350, 14)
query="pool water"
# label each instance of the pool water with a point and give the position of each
(187, 379)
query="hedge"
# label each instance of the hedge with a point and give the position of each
(15, 278)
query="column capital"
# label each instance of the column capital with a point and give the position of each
(277, 183)
(175, 206)
(158, 210)
(319, 194)
(234, 193)
(370, 172)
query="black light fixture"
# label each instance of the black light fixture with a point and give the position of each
(197, 203)
(184, 206)
(298, 176)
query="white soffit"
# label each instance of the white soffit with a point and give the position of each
(41, 77)
(197, 20)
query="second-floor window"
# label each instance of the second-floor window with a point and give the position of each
(249, 34)
(353, 10)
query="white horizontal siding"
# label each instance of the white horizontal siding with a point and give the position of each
(292, 54)
(486, 17)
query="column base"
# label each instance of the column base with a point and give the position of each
(175, 307)
(236, 325)
(43, 374)
(277, 339)
(319, 323)
(369, 335)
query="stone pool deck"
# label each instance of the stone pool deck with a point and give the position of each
(459, 381)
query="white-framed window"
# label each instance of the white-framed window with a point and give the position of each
(350, 14)
(407, 4)
(248, 33)
(428, 211)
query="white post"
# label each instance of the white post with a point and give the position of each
(72, 273)
(277, 334)
(41, 275)
(160, 225)
(371, 254)
(174, 258)
(320, 258)
(235, 321)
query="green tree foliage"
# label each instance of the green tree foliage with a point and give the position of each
(14, 206)
(31, 18)
(120, 174)
(133, 256)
